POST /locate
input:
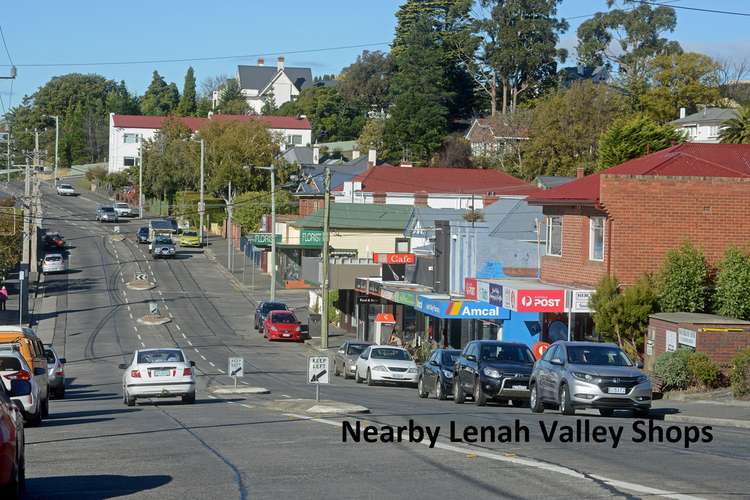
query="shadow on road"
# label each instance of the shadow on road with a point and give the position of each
(91, 413)
(92, 486)
(60, 422)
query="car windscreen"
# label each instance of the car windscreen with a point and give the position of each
(190, 233)
(506, 353)
(597, 355)
(356, 349)
(66, 186)
(122, 205)
(273, 306)
(50, 356)
(53, 258)
(395, 354)
(8, 363)
(160, 356)
(143, 230)
(283, 318)
(107, 209)
(164, 240)
(449, 357)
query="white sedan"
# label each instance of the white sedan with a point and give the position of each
(386, 364)
(14, 367)
(66, 190)
(122, 209)
(158, 373)
(53, 263)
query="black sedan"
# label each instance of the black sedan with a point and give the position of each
(262, 311)
(436, 375)
(142, 235)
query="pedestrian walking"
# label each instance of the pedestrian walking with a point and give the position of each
(3, 297)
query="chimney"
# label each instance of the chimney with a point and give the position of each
(580, 173)
(261, 61)
(280, 63)
(372, 157)
(683, 112)
(355, 154)
(316, 155)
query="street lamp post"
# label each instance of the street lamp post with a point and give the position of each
(202, 202)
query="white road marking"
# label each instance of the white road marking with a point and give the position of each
(184, 336)
(212, 397)
(143, 345)
(190, 343)
(212, 364)
(285, 396)
(128, 307)
(139, 337)
(531, 463)
(159, 291)
(243, 382)
(178, 327)
(196, 349)
(166, 306)
(246, 406)
(203, 357)
(135, 328)
(222, 371)
(131, 315)
(122, 279)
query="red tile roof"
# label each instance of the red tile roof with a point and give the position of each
(194, 123)
(682, 160)
(388, 179)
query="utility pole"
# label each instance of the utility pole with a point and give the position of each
(57, 140)
(36, 149)
(229, 227)
(201, 202)
(326, 239)
(9, 162)
(140, 180)
(26, 255)
(273, 233)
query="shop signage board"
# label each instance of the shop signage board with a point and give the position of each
(470, 288)
(360, 284)
(581, 301)
(264, 239)
(375, 287)
(406, 298)
(483, 291)
(671, 341)
(496, 294)
(394, 258)
(540, 301)
(388, 294)
(686, 337)
(509, 298)
(311, 238)
(367, 299)
(459, 309)
(393, 272)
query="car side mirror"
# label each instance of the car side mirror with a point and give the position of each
(434, 363)
(192, 363)
(20, 388)
(639, 365)
(556, 361)
(471, 357)
(122, 366)
(39, 371)
(62, 361)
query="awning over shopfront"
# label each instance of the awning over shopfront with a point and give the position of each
(445, 307)
(531, 295)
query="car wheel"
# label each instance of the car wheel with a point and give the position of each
(458, 392)
(45, 407)
(345, 373)
(188, 398)
(60, 393)
(420, 388)
(439, 393)
(566, 407)
(606, 412)
(336, 370)
(36, 419)
(535, 402)
(370, 381)
(642, 412)
(356, 376)
(480, 398)
(129, 400)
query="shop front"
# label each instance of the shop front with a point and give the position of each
(375, 297)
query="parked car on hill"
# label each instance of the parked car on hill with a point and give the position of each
(282, 325)
(436, 375)
(12, 440)
(122, 209)
(263, 309)
(106, 213)
(56, 372)
(345, 359)
(14, 367)
(53, 263)
(66, 190)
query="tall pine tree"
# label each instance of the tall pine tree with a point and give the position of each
(160, 98)
(187, 106)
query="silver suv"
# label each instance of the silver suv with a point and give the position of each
(574, 375)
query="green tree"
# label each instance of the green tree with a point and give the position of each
(419, 95)
(231, 100)
(455, 152)
(371, 137)
(732, 285)
(11, 239)
(364, 84)
(269, 104)
(683, 281)
(187, 105)
(737, 130)
(565, 128)
(519, 48)
(252, 205)
(680, 80)
(629, 37)
(170, 161)
(122, 102)
(331, 117)
(632, 137)
(160, 98)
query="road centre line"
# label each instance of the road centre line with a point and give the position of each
(531, 463)
(212, 364)
(178, 327)
(203, 357)
(190, 343)
(135, 328)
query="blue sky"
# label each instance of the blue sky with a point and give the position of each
(95, 31)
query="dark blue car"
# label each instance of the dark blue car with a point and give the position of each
(436, 375)
(142, 235)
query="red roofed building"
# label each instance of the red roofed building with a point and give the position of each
(126, 132)
(431, 186)
(622, 221)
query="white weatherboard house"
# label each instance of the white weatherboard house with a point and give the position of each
(261, 83)
(127, 132)
(705, 125)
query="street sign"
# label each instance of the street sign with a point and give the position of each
(21, 275)
(117, 229)
(140, 276)
(153, 308)
(236, 367)
(317, 370)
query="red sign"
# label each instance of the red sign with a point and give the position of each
(394, 258)
(539, 349)
(470, 288)
(540, 301)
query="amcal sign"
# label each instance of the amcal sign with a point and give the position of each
(394, 258)
(471, 310)
(540, 301)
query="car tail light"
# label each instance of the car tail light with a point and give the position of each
(19, 375)
(135, 373)
(60, 373)
(187, 372)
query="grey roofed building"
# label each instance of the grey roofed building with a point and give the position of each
(705, 125)
(570, 74)
(298, 154)
(258, 77)
(420, 228)
(313, 176)
(707, 116)
(551, 181)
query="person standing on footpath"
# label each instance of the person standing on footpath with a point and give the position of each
(3, 297)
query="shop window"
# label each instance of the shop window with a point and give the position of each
(554, 235)
(596, 238)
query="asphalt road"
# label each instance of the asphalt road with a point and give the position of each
(93, 446)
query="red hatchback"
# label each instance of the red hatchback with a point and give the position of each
(282, 325)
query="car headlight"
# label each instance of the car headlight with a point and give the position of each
(448, 373)
(587, 377)
(380, 368)
(274, 329)
(411, 370)
(492, 373)
(642, 379)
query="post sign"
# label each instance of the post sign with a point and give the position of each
(540, 301)
(317, 370)
(264, 239)
(686, 337)
(496, 294)
(470, 288)
(394, 258)
(311, 238)
(671, 341)
(581, 301)
(236, 367)
(393, 272)
(367, 299)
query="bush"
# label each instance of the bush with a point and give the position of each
(703, 371)
(740, 375)
(672, 368)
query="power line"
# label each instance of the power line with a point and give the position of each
(194, 59)
(2, 35)
(697, 9)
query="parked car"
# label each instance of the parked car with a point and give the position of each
(106, 213)
(12, 440)
(14, 367)
(345, 359)
(263, 309)
(53, 241)
(56, 372)
(380, 363)
(66, 190)
(163, 247)
(53, 263)
(574, 375)
(493, 370)
(282, 325)
(142, 235)
(436, 375)
(122, 209)
(158, 373)
(25, 341)
(190, 239)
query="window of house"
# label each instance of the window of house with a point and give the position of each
(130, 138)
(554, 235)
(295, 139)
(130, 161)
(596, 238)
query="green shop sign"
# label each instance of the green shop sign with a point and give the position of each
(406, 298)
(312, 238)
(264, 239)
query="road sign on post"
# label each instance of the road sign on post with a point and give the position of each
(140, 276)
(318, 373)
(236, 369)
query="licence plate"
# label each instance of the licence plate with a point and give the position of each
(519, 387)
(161, 373)
(616, 390)
(287, 335)
(398, 375)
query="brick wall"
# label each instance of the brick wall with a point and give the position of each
(308, 206)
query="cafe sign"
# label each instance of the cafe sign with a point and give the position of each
(394, 258)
